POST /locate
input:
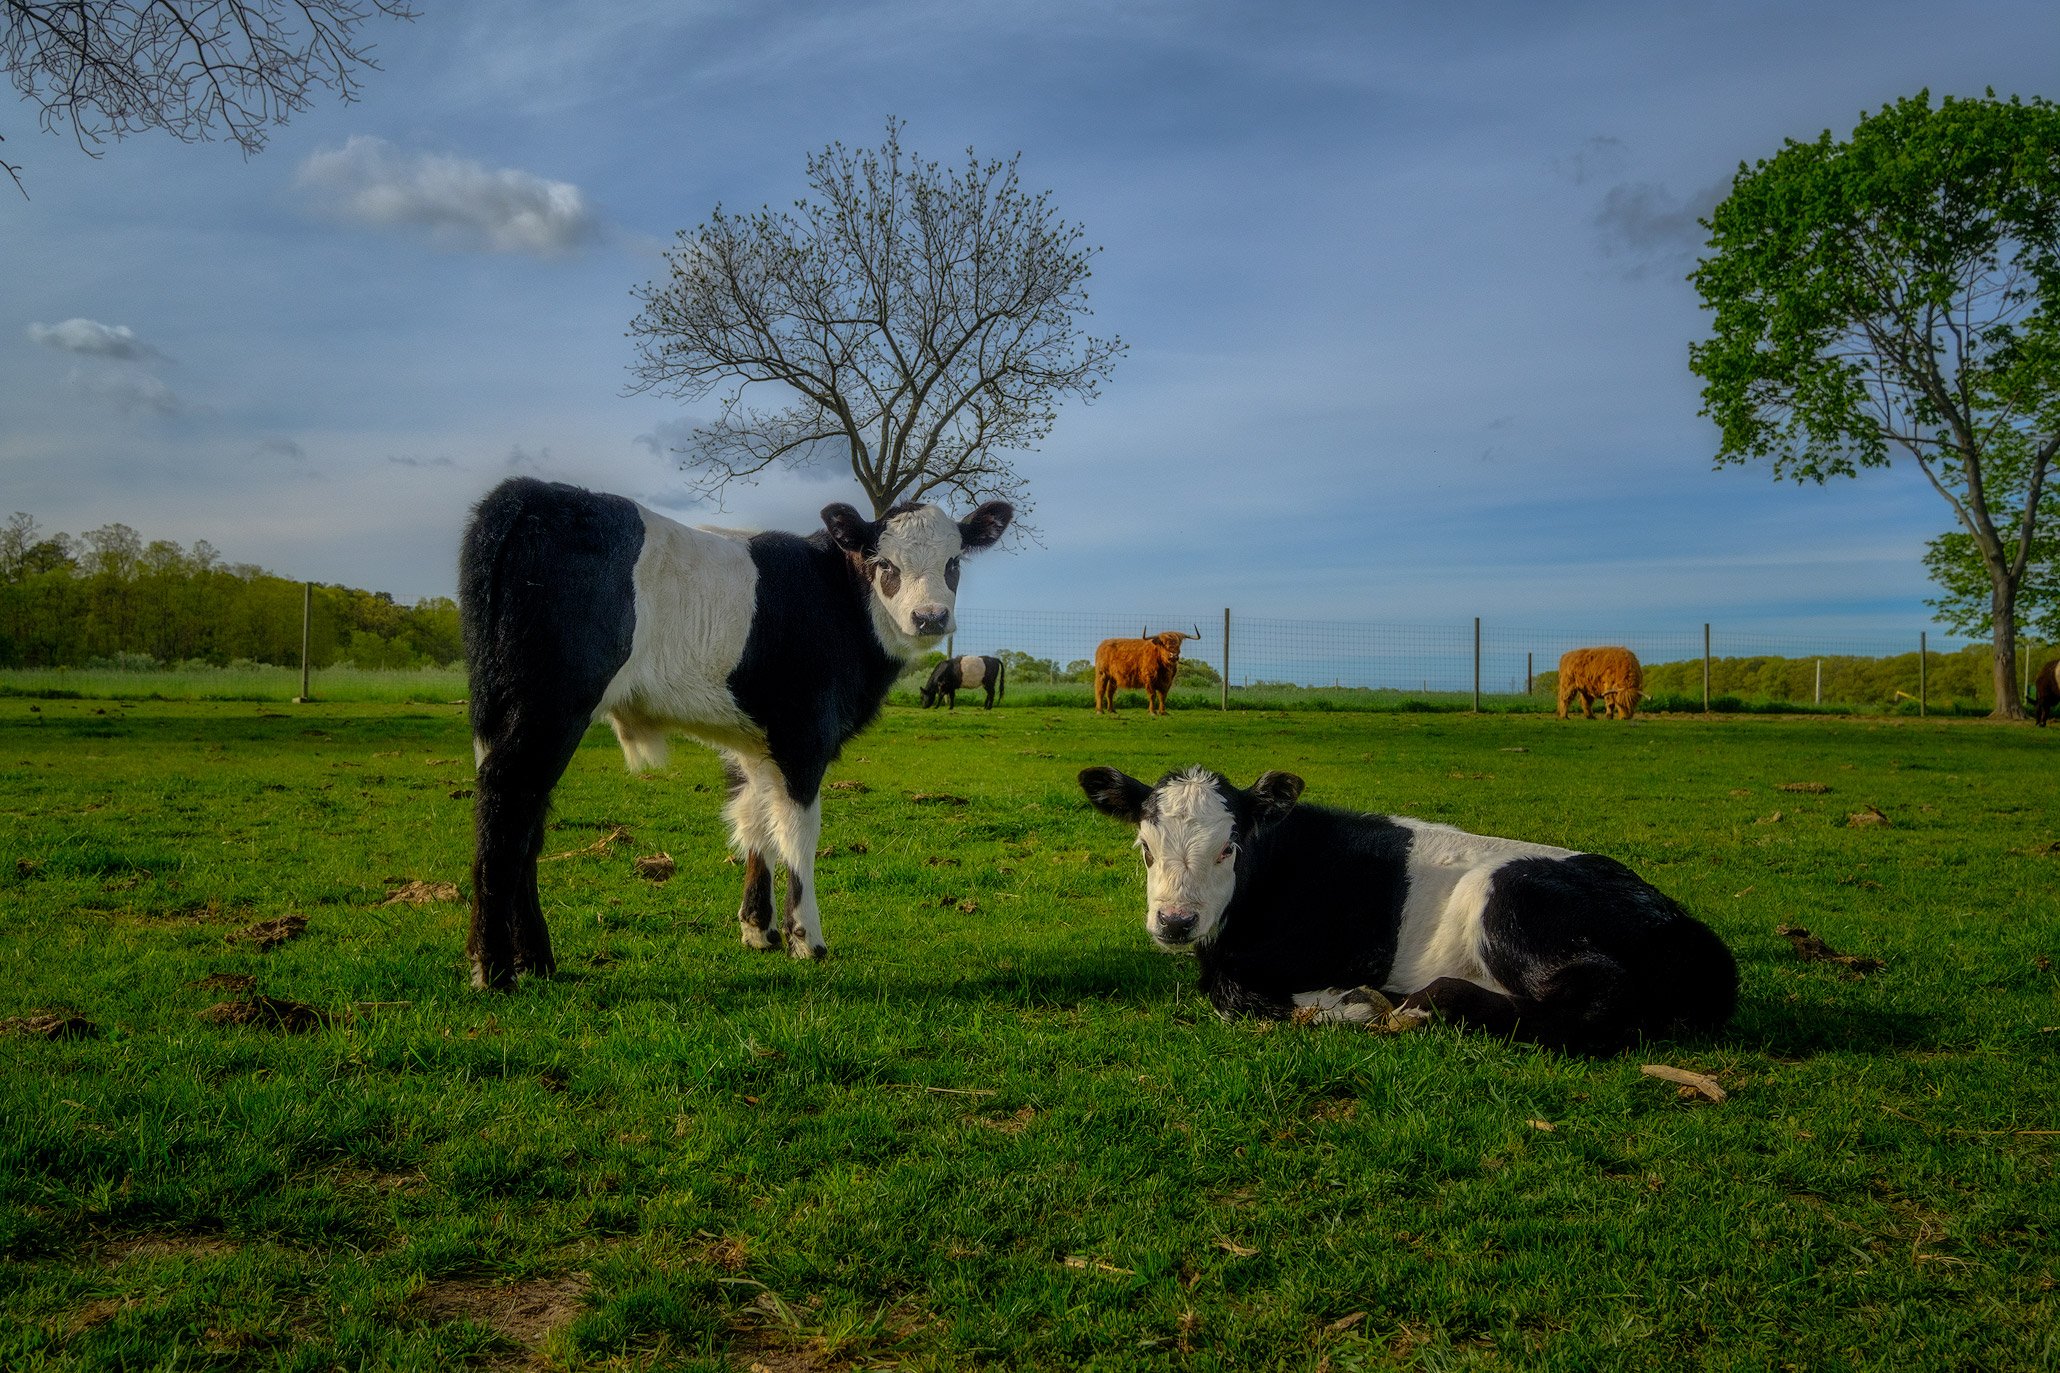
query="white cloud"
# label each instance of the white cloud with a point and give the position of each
(94, 339)
(129, 390)
(276, 446)
(461, 203)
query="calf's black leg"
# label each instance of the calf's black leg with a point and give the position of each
(1466, 1003)
(755, 916)
(508, 937)
(547, 597)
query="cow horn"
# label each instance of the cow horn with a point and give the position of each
(1197, 634)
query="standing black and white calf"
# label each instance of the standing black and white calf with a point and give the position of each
(773, 648)
(1304, 908)
(954, 675)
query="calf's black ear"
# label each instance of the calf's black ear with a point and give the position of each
(1115, 792)
(985, 526)
(1275, 794)
(849, 530)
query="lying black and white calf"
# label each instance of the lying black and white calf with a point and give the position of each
(1303, 908)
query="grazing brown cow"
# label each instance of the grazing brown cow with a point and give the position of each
(2045, 692)
(1610, 675)
(1148, 663)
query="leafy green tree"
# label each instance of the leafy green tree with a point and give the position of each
(1892, 295)
(1956, 566)
(921, 322)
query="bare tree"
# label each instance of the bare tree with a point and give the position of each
(923, 321)
(110, 68)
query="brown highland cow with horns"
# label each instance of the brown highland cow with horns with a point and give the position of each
(1610, 675)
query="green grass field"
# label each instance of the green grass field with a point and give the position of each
(994, 1128)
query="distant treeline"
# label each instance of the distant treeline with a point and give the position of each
(107, 598)
(1961, 677)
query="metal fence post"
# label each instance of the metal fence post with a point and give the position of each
(1527, 673)
(1476, 664)
(1923, 703)
(1226, 658)
(1818, 699)
(1705, 669)
(307, 615)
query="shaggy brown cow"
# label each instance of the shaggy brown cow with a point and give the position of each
(1610, 675)
(2045, 692)
(1147, 663)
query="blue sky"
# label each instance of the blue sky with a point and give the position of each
(1402, 284)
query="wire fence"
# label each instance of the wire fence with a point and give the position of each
(1497, 660)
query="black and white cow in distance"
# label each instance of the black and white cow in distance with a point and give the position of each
(954, 675)
(773, 648)
(1299, 908)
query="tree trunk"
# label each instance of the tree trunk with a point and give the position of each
(2003, 619)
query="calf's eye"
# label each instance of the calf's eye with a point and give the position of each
(1228, 849)
(1147, 854)
(889, 577)
(951, 574)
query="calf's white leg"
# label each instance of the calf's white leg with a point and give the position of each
(796, 830)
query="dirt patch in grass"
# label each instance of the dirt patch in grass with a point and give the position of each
(416, 893)
(212, 910)
(51, 1025)
(166, 1246)
(99, 1311)
(655, 867)
(523, 1313)
(730, 1253)
(1014, 1124)
(1810, 949)
(224, 982)
(763, 1351)
(270, 934)
(267, 1012)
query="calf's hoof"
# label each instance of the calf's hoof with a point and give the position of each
(496, 977)
(798, 946)
(758, 937)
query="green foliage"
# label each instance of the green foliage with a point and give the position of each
(1955, 563)
(1196, 672)
(1871, 685)
(108, 597)
(995, 1129)
(1886, 290)
(1894, 292)
(1025, 670)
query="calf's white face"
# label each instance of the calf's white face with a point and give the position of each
(1187, 833)
(1187, 836)
(911, 559)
